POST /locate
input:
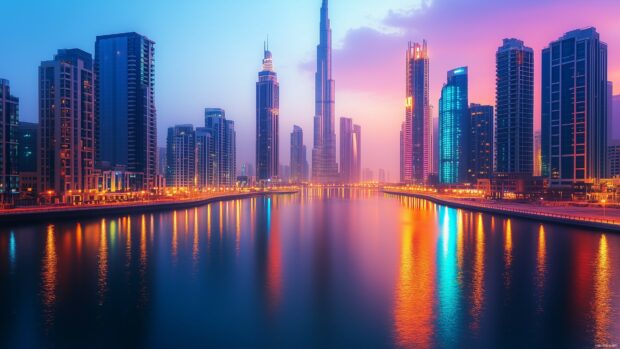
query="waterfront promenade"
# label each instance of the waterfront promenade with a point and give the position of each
(77, 211)
(589, 217)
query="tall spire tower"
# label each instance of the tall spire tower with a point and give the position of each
(324, 166)
(267, 120)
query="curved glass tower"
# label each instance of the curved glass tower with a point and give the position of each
(454, 129)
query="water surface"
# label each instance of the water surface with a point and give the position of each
(324, 268)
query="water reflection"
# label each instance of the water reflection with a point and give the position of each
(102, 262)
(49, 276)
(478, 282)
(602, 295)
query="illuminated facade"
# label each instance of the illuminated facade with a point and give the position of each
(537, 154)
(454, 129)
(299, 163)
(417, 129)
(67, 125)
(324, 166)
(267, 121)
(514, 129)
(181, 157)
(126, 118)
(9, 122)
(481, 156)
(350, 151)
(221, 151)
(574, 108)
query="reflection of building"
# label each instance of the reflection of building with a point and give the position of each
(514, 126)
(481, 157)
(267, 115)
(299, 163)
(27, 135)
(221, 155)
(9, 122)
(417, 130)
(454, 129)
(350, 151)
(67, 125)
(181, 153)
(574, 108)
(125, 104)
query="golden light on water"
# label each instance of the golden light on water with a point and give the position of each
(478, 279)
(601, 311)
(49, 275)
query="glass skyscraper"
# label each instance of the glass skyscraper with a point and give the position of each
(221, 152)
(481, 156)
(350, 151)
(9, 121)
(125, 105)
(417, 130)
(574, 108)
(299, 162)
(181, 157)
(267, 121)
(454, 129)
(514, 133)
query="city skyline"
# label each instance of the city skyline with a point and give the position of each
(387, 32)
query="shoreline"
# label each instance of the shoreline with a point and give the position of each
(611, 225)
(75, 212)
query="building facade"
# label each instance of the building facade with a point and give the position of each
(514, 93)
(126, 118)
(481, 156)
(417, 129)
(267, 121)
(27, 136)
(350, 151)
(324, 166)
(181, 157)
(574, 109)
(299, 162)
(454, 129)
(67, 126)
(9, 122)
(221, 153)
(613, 155)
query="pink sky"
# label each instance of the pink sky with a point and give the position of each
(369, 65)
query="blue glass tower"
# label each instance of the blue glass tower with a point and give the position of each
(454, 129)
(267, 120)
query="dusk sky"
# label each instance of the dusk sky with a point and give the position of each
(208, 54)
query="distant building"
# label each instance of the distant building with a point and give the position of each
(350, 151)
(299, 162)
(27, 135)
(221, 154)
(267, 121)
(454, 129)
(161, 161)
(481, 156)
(67, 126)
(417, 129)
(574, 109)
(368, 175)
(514, 129)
(9, 122)
(126, 120)
(615, 117)
(181, 154)
(285, 173)
(381, 178)
(613, 155)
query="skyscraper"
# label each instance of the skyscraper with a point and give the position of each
(299, 163)
(267, 119)
(417, 130)
(221, 153)
(350, 151)
(9, 121)
(481, 156)
(615, 116)
(324, 166)
(181, 157)
(574, 108)
(454, 129)
(514, 132)
(125, 104)
(537, 154)
(67, 125)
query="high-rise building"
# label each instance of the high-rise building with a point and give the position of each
(9, 122)
(221, 153)
(299, 163)
(574, 108)
(481, 156)
(514, 93)
(324, 166)
(126, 118)
(67, 126)
(537, 154)
(204, 147)
(161, 161)
(181, 157)
(615, 117)
(267, 120)
(350, 151)
(27, 136)
(417, 129)
(613, 154)
(454, 129)
(435, 144)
